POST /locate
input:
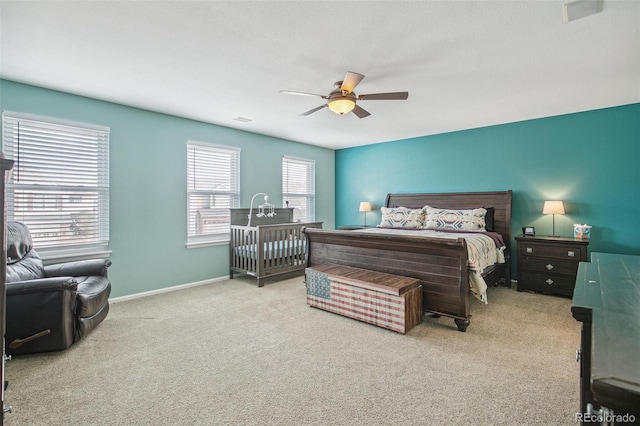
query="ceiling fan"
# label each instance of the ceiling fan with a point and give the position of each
(342, 99)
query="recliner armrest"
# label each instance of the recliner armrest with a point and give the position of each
(43, 308)
(42, 285)
(80, 268)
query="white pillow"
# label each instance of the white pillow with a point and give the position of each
(455, 219)
(402, 217)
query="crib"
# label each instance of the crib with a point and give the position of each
(272, 248)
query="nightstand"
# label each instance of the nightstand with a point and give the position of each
(549, 264)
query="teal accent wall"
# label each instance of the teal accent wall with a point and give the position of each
(590, 160)
(148, 228)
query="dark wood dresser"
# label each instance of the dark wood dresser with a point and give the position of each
(606, 301)
(549, 264)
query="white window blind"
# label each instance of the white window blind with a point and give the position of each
(299, 187)
(213, 187)
(59, 185)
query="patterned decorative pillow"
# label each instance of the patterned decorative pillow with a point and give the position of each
(402, 217)
(457, 220)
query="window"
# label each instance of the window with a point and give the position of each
(213, 187)
(59, 185)
(299, 187)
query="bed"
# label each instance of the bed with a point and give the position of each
(272, 248)
(442, 265)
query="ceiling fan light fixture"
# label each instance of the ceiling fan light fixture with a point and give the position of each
(342, 99)
(341, 104)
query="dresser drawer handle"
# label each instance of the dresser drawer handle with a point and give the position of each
(549, 266)
(529, 249)
(549, 281)
(571, 253)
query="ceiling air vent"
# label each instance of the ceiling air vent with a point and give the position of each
(581, 8)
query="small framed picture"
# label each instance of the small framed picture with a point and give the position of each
(529, 231)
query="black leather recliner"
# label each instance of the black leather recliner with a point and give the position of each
(48, 308)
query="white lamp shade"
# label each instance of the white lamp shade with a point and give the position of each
(365, 206)
(553, 207)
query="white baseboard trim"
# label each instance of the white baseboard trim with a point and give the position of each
(166, 290)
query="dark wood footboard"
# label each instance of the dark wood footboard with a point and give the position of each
(440, 265)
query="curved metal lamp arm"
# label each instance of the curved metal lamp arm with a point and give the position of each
(251, 206)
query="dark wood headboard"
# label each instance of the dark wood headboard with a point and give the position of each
(500, 201)
(241, 217)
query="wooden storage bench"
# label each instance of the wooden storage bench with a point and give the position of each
(386, 300)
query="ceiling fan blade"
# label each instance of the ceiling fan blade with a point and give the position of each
(311, 111)
(289, 92)
(384, 96)
(350, 81)
(360, 112)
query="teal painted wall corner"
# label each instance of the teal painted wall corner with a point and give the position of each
(590, 160)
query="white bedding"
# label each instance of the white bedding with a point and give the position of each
(481, 251)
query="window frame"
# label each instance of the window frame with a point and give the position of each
(26, 153)
(309, 194)
(212, 238)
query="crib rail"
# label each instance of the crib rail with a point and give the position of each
(267, 251)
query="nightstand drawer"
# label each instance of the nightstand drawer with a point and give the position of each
(548, 265)
(556, 284)
(567, 252)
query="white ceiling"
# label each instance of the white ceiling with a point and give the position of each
(465, 64)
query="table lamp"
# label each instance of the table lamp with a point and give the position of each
(553, 208)
(365, 207)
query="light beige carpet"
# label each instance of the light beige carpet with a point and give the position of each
(232, 353)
